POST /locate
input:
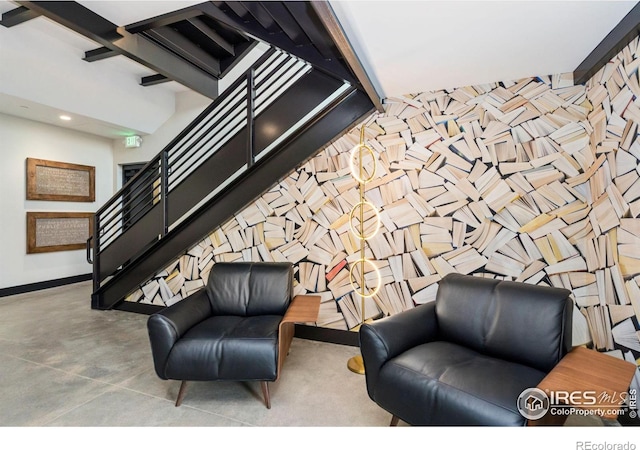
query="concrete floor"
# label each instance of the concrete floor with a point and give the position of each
(63, 364)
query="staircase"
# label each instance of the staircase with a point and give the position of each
(303, 92)
(273, 118)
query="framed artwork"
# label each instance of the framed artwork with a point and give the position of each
(59, 181)
(58, 231)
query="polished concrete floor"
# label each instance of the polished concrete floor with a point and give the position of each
(63, 364)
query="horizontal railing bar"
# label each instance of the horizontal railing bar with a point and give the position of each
(120, 216)
(215, 103)
(276, 60)
(110, 236)
(173, 159)
(205, 123)
(116, 221)
(135, 193)
(244, 97)
(154, 160)
(267, 75)
(220, 123)
(180, 176)
(231, 104)
(142, 189)
(178, 164)
(280, 84)
(272, 59)
(271, 72)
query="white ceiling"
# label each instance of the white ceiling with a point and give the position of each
(42, 75)
(416, 46)
(406, 47)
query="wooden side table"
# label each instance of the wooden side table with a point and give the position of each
(587, 379)
(303, 308)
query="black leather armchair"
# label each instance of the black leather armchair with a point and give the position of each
(465, 358)
(238, 327)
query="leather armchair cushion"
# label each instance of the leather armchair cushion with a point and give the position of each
(514, 321)
(250, 289)
(227, 348)
(461, 386)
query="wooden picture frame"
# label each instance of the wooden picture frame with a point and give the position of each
(58, 231)
(60, 181)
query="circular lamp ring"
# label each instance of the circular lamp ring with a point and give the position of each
(354, 167)
(361, 292)
(360, 234)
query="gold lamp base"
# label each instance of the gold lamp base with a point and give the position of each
(356, 365)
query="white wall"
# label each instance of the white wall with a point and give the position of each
(21, 139)
(188, 105)
(28, 69)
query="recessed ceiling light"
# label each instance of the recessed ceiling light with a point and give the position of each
(65, 118)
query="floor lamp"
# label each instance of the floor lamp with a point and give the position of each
(357, 278)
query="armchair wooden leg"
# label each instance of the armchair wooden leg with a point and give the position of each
(265, 393)
(394, 421)
(181, 392)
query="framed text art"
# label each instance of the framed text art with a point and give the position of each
(59, 181)
(58, 231)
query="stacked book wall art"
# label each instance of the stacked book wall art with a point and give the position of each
(533, 180)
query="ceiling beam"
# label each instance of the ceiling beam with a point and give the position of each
(327, 16)
(152, 80)
(89, 24)
(17, 16)
(77, 18)
(617, 39)
(162, 61)
(164, 20)
(99, 53)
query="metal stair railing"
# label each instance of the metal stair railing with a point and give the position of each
(142, 213)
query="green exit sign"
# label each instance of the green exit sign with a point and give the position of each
(132, 141)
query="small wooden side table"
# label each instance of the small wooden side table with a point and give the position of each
(599, 382)
(303, 308)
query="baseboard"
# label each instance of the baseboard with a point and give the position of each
(31, 287)
(330, 335)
